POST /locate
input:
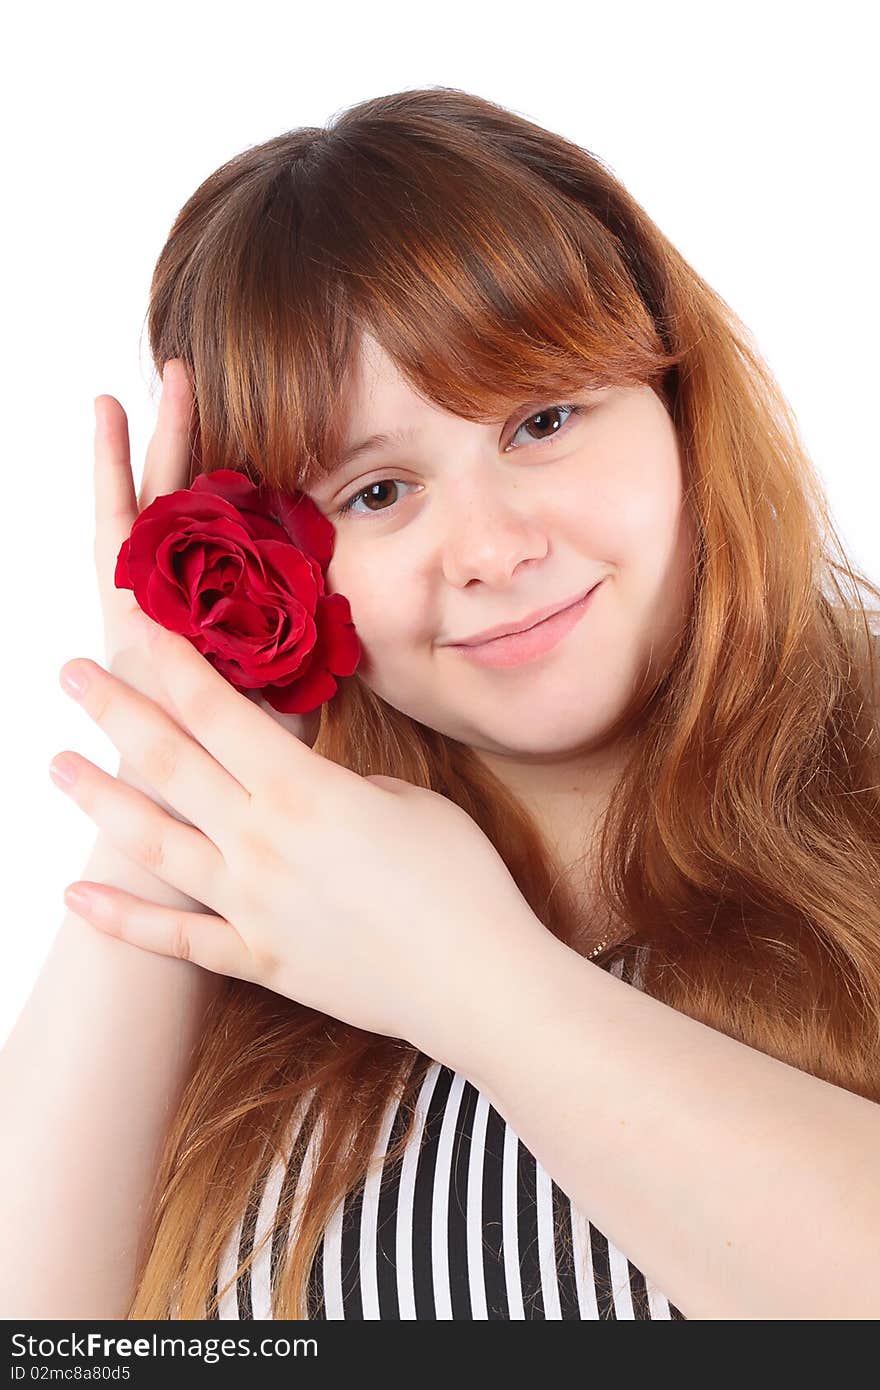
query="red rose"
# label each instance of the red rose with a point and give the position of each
(239, 570)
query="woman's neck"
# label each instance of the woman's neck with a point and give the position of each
(568, 800)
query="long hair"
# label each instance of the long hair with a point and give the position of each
(493, 261)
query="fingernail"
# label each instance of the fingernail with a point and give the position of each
(62, 774)
(73, 680)
(77, 897)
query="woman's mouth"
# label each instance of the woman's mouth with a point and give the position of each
(520, 647)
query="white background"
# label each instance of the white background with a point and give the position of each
(747, 131)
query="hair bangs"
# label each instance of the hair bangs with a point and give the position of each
(484, 283)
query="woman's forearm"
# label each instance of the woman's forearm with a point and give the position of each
(743, 1188)
(90, 1079)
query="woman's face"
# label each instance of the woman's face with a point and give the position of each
(452, 532)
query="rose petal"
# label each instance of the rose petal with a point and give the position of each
(239, 570)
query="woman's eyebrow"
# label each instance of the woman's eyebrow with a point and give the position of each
(383, 440)
(389, 438)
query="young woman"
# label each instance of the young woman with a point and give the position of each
(606, 1046)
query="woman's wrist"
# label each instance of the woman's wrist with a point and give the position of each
(515, 990)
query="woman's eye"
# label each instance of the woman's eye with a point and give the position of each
(547, 418)
(367, 492)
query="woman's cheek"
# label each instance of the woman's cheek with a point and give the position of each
(338, 576)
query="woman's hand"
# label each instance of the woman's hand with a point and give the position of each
(167, 468)
(374, 901)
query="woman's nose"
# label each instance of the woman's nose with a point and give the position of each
(491, 535)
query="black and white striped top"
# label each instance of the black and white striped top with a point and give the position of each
(468, 1225)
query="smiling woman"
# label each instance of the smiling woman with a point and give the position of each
(493, 528)
(522, 409)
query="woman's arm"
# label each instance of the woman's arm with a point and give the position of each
(90, 1079)
(742, 1187)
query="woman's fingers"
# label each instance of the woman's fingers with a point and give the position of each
(166, 469)
(178, 854)
(200, 937)
(180, 769)
(169, 453)
(115, 504)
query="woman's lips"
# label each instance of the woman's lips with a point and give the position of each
(520, 647)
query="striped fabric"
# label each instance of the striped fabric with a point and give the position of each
(468, 1225)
